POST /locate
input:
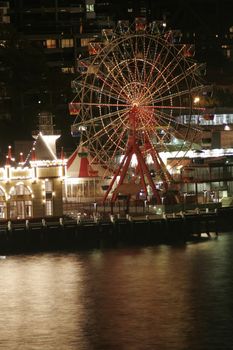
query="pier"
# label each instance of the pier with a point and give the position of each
(53, 233)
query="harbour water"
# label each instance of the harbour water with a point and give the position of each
(161, 297)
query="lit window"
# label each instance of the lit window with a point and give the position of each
(90, 7)
(51, 44)
(49, 207)
(2, 43)
(86, 41)
(67, 70)
(48, 186)
(67, 43)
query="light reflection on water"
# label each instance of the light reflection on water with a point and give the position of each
(150, 298)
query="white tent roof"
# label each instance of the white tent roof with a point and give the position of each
(81, 164)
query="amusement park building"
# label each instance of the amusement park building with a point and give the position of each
(205, 174)
(45, 185)
(30, 187)
(42, 184)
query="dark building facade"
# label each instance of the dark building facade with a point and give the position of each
(53, 34)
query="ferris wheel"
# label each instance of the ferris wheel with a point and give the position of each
(134, 99)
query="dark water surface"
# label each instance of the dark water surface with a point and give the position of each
(159, 297)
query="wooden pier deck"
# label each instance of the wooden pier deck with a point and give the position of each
(93, 232)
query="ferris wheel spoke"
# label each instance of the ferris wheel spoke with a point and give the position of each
(169, 134)
(158, 141)
(157, 57)
(189, 135)
(147, 57)
(109, 124)
(105, 145)
(167, 86)
(174, 62)
(122, 117)
(104, 90)
(98, 134)
(114, 141)
(101, 75)
(136, 70)
(181, 132)
(108, 85)
(152, 58)
(142, 76)
(166, 118)
(178, 129)
(135, 52)
(125, 64)
(181, 107)
(168, 70)
(97, 120)
(120, 72)
(151, 80)
(99, 104)
(112, 80)
(121, 113)
(177, 79)
(106, 94)
(170, 96)
(118, 145)
(123, 93)
(133, 75)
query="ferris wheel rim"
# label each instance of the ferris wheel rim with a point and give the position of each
(105, 118)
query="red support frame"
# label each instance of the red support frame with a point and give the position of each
(133, 148)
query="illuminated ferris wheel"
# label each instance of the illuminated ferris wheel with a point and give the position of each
(134, 99)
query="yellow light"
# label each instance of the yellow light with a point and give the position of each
(196, 99)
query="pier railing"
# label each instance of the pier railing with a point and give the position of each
(134, 208)
(112, 230)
